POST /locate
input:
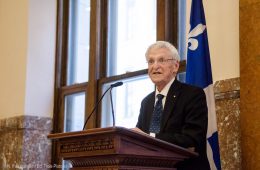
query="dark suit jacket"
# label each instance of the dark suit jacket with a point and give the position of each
(184, 121)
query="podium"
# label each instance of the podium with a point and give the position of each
(117, 148)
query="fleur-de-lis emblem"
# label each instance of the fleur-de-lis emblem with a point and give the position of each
(192, 42)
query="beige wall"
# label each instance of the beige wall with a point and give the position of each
(222, 19)
(13, 50)
(27, 54)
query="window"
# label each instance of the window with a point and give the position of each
(127, 100)
(78, 41)
(182, 48)
(100, 42)
(130, 33)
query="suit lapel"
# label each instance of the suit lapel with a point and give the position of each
(171, 99)
(150, 109)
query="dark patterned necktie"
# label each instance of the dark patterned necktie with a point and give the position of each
(156, 117)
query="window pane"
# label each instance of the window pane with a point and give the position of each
(66, 165)
(182, 47)
(74, 112)
(181, 77)
(126, 101)
(78, 41)
(131, 28)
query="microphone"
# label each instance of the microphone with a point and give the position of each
(110, 88)
(120, 83)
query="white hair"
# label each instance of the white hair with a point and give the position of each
(164, 44)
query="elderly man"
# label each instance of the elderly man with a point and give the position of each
(175, 112)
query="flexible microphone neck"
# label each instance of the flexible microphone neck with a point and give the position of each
(96, 105)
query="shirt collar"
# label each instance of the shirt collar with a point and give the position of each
(165, 89)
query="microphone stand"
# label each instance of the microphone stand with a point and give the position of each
(95, 107)
(110, 88)
(111, 101)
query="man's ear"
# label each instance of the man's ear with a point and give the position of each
(176, 66)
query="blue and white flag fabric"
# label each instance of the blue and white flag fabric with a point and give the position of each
(198, 73)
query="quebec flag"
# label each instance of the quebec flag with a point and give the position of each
(198, 73)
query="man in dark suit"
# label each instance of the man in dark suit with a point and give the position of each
(183, 112)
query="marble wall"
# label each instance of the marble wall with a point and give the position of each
(227, 95)
(24, 143)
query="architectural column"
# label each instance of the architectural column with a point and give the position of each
(250, 83)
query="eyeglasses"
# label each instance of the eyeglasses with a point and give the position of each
(161, 61)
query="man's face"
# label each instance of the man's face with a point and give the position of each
(161, 67)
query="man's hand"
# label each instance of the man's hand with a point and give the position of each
(191, 149)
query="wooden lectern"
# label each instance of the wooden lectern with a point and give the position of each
(117, 148)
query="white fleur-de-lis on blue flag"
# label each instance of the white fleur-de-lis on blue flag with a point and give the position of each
(198, 72)
(192, 41)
